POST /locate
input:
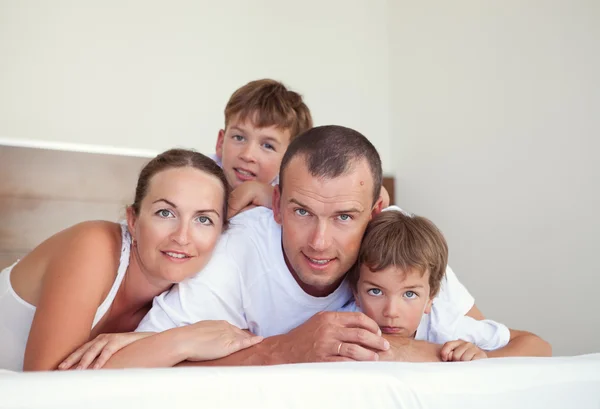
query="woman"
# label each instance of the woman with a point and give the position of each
(100, 277)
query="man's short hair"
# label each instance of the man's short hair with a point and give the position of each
(393, 238)
(332, 151)
(267, 102)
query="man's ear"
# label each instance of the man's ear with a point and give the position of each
(219, 147)
(377, 207)
(277, 204)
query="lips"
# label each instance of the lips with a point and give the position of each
(390, 330)
(318, 263)
(244, 174)
(176, 256)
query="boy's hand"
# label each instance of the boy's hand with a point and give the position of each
(460, 350)
(248, 195)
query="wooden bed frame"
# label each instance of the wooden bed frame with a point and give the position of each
(43, 191)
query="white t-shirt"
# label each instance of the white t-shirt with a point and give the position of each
(218, 162)
(248, 284)
(445, 323)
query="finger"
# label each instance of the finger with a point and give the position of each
(364, 338)
(459, 351)
(357, 352)
(448, 348)
(104, 357)
(243, 343)
(358, 320)
(469, 354)
(75, 356)
(91, 354)
(337, 358)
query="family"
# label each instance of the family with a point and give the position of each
(282, 248)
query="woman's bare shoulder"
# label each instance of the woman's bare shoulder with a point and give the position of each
(90, 248)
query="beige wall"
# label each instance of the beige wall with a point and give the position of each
(487, 112)
(153, 74)
(496, 124)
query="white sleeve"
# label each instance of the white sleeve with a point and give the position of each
(486, 334)
(454, 293)
(446, 323)
(215, 293)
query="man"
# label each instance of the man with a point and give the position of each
(281, 273)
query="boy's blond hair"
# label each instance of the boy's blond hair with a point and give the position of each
(267, 103)
(393, 238)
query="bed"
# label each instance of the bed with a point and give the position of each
(560, 382)
(45, 190)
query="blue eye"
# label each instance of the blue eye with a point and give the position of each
(410, 294)
(238, 138)
(269, 146)
(375, 292)
(164, 213)
(301, 212)
(345, 217)
(204, 220)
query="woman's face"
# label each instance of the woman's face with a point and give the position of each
(179, 223)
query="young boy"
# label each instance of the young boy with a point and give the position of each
(261, 119)
(400, 267)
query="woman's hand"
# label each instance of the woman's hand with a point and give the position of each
(208, 340)
(100, 350)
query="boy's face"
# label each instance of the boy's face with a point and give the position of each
(393, 298)
(251, 153)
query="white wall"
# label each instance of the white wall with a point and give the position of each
(488, 112)
(153, 74)
(496, 124)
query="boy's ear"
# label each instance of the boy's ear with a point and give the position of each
(428, 305)
(356, 300)
(219, 147)
(277, 204)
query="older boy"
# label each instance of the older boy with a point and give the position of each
(261, 119)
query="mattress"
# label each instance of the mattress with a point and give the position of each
(558, 382)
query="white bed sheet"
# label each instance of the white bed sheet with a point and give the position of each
(559, 382)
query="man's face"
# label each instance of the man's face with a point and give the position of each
(251, 153)
(323, 221)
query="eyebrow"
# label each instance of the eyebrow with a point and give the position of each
(267, 137)
(173, 205)
(351, 210)
(408, 287)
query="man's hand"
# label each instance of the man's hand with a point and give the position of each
(460, 350)
(248, 195)
(333, 336)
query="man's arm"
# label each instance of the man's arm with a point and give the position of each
(327, 336)
(523, 343)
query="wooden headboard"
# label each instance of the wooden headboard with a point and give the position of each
(43, 191)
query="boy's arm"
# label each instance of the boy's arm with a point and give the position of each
(248, 195)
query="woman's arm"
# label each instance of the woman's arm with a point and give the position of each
(78, 275)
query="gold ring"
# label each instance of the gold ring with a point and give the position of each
(339, 348)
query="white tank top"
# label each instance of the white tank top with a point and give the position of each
(16, 315)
